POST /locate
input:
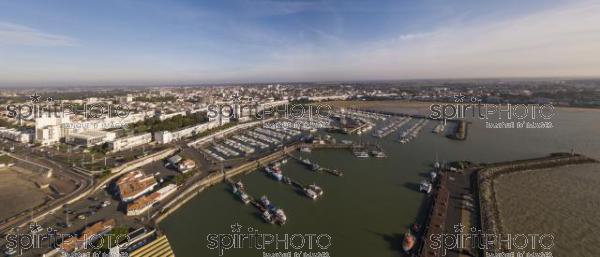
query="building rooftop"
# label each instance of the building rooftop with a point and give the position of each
(133, 183)
(73, 243)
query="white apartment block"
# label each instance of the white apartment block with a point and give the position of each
(90, 138)
(49, 130)
(165, 137)
(131, 141)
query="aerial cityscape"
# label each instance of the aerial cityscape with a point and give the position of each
(299, 128)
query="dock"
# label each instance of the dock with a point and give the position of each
(460, 133)
(334, 172)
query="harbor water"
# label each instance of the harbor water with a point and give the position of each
(366, 211)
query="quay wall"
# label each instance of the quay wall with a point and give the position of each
(218, 177)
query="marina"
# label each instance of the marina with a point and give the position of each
(412, 132)
(391, 127)
(385, 234)
(314, 166)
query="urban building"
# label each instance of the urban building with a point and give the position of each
(88, 236)
(165, 137)
(90, 138)
(186, 165)
(144, 203)
(129, 142)
(16, 135)
(49, 130)
(135, 184)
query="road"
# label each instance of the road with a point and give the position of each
(84, 183)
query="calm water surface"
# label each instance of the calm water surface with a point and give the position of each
(368, 209)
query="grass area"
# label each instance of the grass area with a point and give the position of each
(6, 159)
(171, 124)
(181, 178)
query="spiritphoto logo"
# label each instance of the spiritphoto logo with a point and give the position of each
(264, 111)
(36, 108)
(21, 243)
(304, 245)
(492, 245)
(497, 115)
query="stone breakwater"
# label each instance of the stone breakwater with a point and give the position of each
(489, 218)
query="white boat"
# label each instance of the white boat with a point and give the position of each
(433, 175)
(378, 154)
(305, 150)
(275, 172)
(310, 193)
(316, 189)
(425, 187)
(280, 216)
(266, 215)
(361, 153)
(239, 191)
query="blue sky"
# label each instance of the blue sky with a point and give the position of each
(164, 42)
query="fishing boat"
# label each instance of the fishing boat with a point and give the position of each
(310, 193)
(275, 172)
(316, 189)
(408, 242)
(425, 187)
(267, 217)
(433, 175)
(240, 192)
(265, 203)
(280, 216)
(306, 161)
(315, 167)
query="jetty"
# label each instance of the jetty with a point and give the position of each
(445, 207)
(334, 172)
(459, 134)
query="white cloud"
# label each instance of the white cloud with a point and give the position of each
(14, 34)
(563, 41)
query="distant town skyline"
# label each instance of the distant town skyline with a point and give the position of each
(197, 42)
